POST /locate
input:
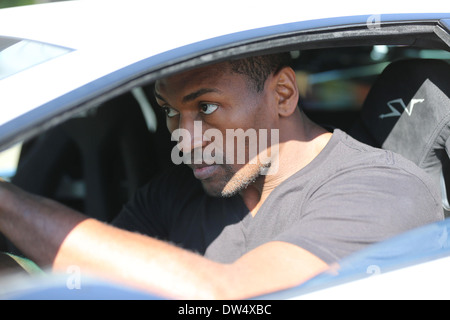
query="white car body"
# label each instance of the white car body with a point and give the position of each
(106, 36)
(136, 30)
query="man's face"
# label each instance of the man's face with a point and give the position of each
(207, 103)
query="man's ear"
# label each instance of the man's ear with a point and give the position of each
(287, 91)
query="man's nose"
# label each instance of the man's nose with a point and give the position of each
(193, 137)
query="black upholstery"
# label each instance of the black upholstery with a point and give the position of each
(95, 162)
(408, 111)
(92, 163)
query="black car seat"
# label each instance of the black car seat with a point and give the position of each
(408, 111)
(96, 161)
(93, 162)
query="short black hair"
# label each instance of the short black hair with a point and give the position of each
(258, 68)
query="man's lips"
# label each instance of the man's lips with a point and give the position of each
(204, 171)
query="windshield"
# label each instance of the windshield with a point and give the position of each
(18, 54)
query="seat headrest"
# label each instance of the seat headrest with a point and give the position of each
(408, 110)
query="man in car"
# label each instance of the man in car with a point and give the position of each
(217, 227)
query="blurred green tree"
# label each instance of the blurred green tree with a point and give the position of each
(14, 3)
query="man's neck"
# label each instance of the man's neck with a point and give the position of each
(294, 155)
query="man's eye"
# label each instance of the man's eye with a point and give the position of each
(170, 112)
(208, 108)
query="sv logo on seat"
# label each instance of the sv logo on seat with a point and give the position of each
(395, 112)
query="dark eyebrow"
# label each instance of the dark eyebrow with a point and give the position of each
(194, 95)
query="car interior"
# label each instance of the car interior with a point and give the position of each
(95, 161)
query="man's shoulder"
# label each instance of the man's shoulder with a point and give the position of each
(380, 169)
(359, 151)
(355, 153)
(351, 162)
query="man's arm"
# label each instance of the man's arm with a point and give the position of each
(56, 236)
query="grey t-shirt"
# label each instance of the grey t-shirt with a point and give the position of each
(350, 196)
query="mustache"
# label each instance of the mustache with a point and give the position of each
(199, 156)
